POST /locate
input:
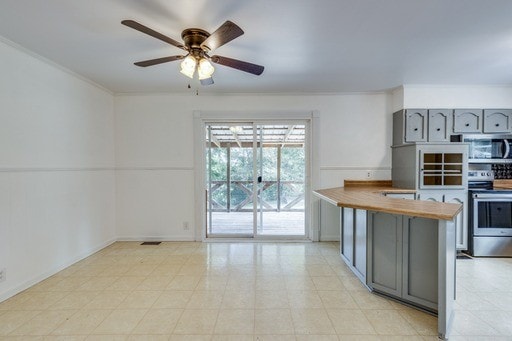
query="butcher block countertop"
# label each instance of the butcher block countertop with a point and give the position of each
(370, 196)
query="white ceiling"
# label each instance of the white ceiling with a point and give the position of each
(305, 45)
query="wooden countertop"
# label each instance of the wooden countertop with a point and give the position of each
(371, 197)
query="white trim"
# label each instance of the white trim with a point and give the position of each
(154, 168)
(252, 94)
(156, 239)
(27, 284)
(201, 118)
(55, 169)
(353, 168)
(53, 64)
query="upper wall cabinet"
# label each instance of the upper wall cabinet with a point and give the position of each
(467, 121)
(497, 121)
(410, 125)
(439, 125)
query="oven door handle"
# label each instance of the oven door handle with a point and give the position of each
(497, 197)
(507, 149)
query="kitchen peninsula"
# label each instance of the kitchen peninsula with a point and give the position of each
(404, 249)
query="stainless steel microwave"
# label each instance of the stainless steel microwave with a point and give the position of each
(488, 148)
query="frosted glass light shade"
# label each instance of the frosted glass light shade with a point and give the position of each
(205, 69)
(188, 66)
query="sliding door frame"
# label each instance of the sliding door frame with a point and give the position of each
(309, 118)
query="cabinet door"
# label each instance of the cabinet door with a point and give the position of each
(347, 249)
(385, 253)
(439, 124)
(467, 121)
(420, 248)
(461, 223)
(415, 125)
(430, 195)
(497, 121)
(360, 243)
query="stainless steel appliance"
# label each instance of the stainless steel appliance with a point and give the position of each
(487, 148)
(490, 213)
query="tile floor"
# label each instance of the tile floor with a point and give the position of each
(242, 291)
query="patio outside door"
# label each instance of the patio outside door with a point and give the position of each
(255, 179)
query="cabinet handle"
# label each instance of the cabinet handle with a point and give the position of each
(415, 129)
(467, 124)
(438, 129)
(497, 124)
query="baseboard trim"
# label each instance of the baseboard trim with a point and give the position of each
(156, 239)
(27, 284)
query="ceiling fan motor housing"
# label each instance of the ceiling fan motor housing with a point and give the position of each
(194, 37)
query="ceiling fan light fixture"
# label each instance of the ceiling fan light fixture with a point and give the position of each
(188, 66)
(205, 69)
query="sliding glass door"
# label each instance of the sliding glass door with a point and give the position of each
(255, 179)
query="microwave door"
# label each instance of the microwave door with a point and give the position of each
(506, 144)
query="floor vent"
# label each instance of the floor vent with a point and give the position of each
(151, 243)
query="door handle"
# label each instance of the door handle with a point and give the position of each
(260, 179)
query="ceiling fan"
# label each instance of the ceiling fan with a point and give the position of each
(198, 44)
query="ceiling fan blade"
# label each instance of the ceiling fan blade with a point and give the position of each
(224, 34)
(156, 61)
(207, 81)
(239, 65)
(144, 29)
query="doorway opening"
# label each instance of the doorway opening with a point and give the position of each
(256, 179)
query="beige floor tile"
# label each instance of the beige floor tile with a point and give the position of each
(266, 299)
(241, 282)
(173, 299)
(274, 337)
(205, 300)
(466, 324)
(352, 283)
(423, 323)
(236, 299)
(40, 300)
(337, 299)
(126, 283)
(106, 338)
(327, 283)
(44, 323)
(316, 338)
(192, 270)
(273, 322)
(140, 300)
(158, 321)
(75, 300)
(10, 320)
(235, 321)
(389, 322)
(299, 283)
(141, 270)
(270, 283)
(323, 270)
(15, 301)
(184, 282)
(350, 322)
(499, 320)
(190, 337)
(197, 322)
(120, 321)
(364, 338)
(107, 300)
(368, 301)
(216, 283)
(311, 321)
(116, 270)
(81, 323)
(148, 338)
(97, 283)
(233, 337)
(306, 299)
(155, 283)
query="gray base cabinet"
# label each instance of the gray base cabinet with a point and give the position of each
(353, 240)
(402, 254)
(454, 197)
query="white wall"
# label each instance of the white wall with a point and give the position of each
(57, 178)
(464, 97)
(155, 151)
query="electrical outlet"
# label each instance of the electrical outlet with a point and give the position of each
(185, 225)
(368, 174)
(2, 275)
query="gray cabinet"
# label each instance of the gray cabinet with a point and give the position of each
(385, 253)
(399, 265)
(454, 197)
(410, 125)
(439, 125)
(497, 121)
(347, 235)
(467, 121)
(353, 241)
